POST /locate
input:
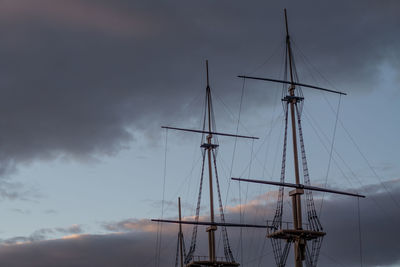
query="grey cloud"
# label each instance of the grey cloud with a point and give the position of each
(21, 211)
(126, 225)
(76, 86)
(50, 211)
(36, 236)
(135, 246)
(379, 215)
(43, 234)
(13, 190)
(74, 229)
(92, 250)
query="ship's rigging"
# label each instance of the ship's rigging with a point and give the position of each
(305, 237)
(209, 148)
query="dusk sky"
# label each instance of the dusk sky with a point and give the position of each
(85, 86)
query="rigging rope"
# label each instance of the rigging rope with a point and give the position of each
(262, 249)
(273, 170)
(311, 212)
(359, 231)
(247, 189)
(396, 202)
(237, 131)
(227, 249)
(233, 157)
(314, 222)
(159, 225)
(342, 160)
(267, 60)
(192, 248)
(241, 212)
(240, 230)
(277, 221)
(180, 237)
(371, 168)
(177, 252)
(330, 154)
(281, 257)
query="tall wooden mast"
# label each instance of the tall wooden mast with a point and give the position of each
(211, 229)
(209, 147)
(180, 232)
(299, 244)
(307, 238)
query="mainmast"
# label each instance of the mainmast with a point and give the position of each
(299, 245)
(307, 239)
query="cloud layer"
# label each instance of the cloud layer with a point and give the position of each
(80, 78)
(133, 242)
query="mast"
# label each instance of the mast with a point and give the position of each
(211, 229)
(209, 160)
(289, 50)
(209, 147)
(307, 240)
(180, 232)
(299, 246)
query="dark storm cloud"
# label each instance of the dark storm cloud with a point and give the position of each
(91, 250)
(80, 78)
(137, 248)
(379, 215)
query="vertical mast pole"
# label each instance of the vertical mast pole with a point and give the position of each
(289, 51)
(295, 194)
(211, 229)
(180, 231)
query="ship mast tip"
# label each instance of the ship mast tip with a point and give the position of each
(208, 82)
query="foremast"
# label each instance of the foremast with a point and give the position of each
(209, 146)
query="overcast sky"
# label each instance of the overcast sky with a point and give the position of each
(86, 85)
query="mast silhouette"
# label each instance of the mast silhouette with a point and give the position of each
(209, 156)
(313, 232)
(180, 232)
(212, 228)
(296, 193)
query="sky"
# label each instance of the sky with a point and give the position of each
(85, 87)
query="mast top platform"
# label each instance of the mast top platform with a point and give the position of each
(199, 263)
(292, 234)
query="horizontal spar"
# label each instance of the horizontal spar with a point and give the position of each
(294, 83)
(215, 224)
(300, 186)
(208, 132)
